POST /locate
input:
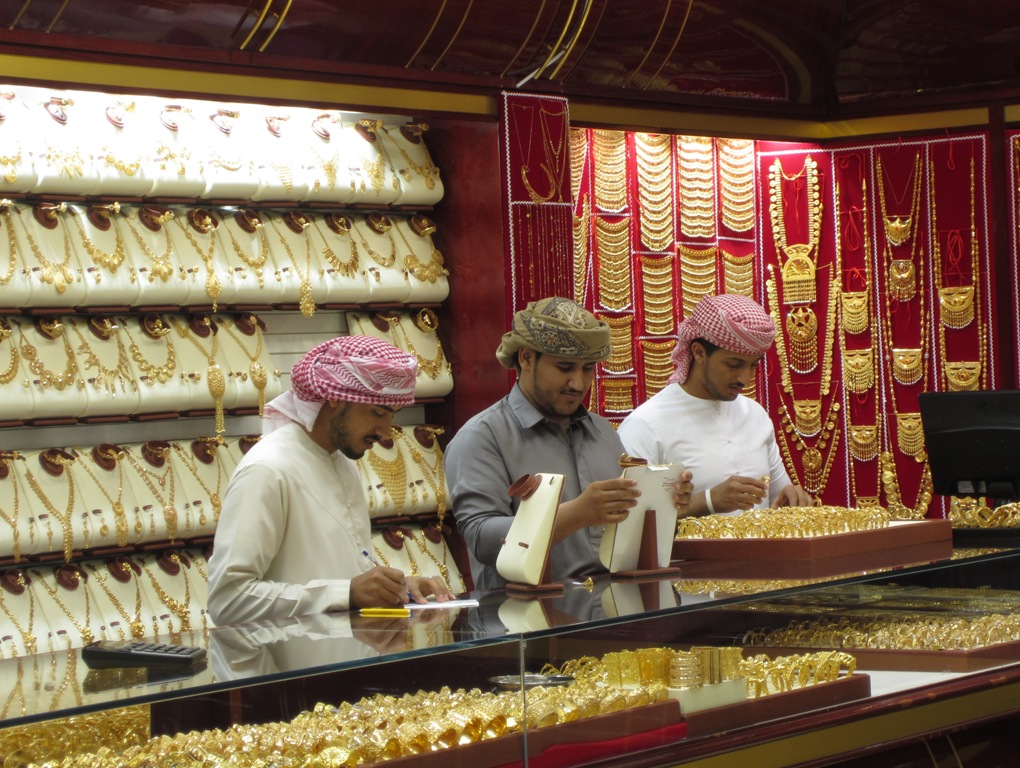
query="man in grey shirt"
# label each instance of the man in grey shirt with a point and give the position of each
(543, 426)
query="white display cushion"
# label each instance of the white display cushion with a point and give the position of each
(101, 349)
(153, 257)
(405, 148)
(58, 128)
(280, 160)
(49, 260)
(425, 266)
(226, 146)
(626, 598)
(522, 558)
(620, 549)
(251, 255)
(17, 166)
(337, 261)
(101, 241)
(175, 154)
(16, 399)
(116, 138)
(53, 373)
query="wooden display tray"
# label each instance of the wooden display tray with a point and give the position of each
(898, 534)
(505, 749)
(778, 705)
(821, 568)
(913, 660)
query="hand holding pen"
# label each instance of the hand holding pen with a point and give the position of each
(380, 586)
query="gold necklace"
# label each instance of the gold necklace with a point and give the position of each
(47, 378)
(256, 370)
(182, 609)
(433, 471)
(85, 630)
(654, 165)
(801, 258)
(28, 639)
(613, 254)
(382, 225)
(7, 470)
(191, 463)
(100, 455)
(106, 378)
(12, 243)
(618, 395)
(581, 233)
(736, 183)
(433, 366)
(59, 275)
(215, 379)
(250, 222)
(444, 569)
(161, 268)
(134, 621)
(152, 479)
(426, 169)
(697, 275)
(7, 376)
(525, 149)
(658, 364)
(206, 224)
(899, 230)
(393, 476)
(108, 261)
(696, 186)
(62, 463)
(154, 327)
(890, 482)
(342, 226)
(738, 273)
(306, 303)
(427, 272)
(621, 338)
(609, 150)
(657, 294)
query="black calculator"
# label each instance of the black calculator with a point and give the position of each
(137, 653)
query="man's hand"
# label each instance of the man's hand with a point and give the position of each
(378, 587)
(738, 492)
(794, 496)
(682, 494)
(420, 587)
(603, 502)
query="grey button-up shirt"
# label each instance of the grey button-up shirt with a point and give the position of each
(507, 440)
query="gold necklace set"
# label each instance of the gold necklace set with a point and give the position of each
(697, 275)
(621, 342)
(115, 455)
(654, 165)
(161, 269)
(392, 476)
(28, 639)
(957, 304)
(180, 608)
(900, 229)
(106, 378)
(108, 261)
(205, 224)
(85, 630)
(257, 263)
(215, 379)
(307, 302)
(618, 395)
(426, 169)
(59, 274)
(431, 469)
(381, 225)
(738, 273)
(190, 462)
(696, 186)
(164, 496)
(342, 228)
(427, 322)
(433, 269)
(612, 240)
(609, 151)
(152, 373)
(59, 381)
(133, 620)
(658, 364)
(256, 370)
(657, 295)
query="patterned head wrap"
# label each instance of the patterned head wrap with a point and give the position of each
(358, 369)
(558, 327)
(730, 321)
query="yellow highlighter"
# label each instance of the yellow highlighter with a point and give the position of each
(386, 612)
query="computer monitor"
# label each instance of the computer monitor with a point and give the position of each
(973, 442)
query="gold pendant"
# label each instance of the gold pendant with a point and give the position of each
(863, 442)
(799, 275)
(802, 327)
(808, 416)
(213, 287)
(855, 311)
(963, 376)
(902, 279)
(957, 305)
(910, 434)
(898, 228)
(908, 365)
(307, 303)
(858, 370)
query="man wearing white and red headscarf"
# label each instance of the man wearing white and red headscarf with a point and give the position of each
(294, 534)
(701, 419)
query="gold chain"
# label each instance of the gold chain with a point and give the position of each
(257, 263)
(6, 457)
(256, 370)
(59, 275)
(609, 150)
(736, 183)
(306, 303)
(134, 621)
(207, 226)
(7, 376)
(12, 243)
(109, 261)
(27, 633)
(86, 630)
(696, 186)
(64, 517)
(116, 504)
(654, 165)
(151, 479)
(191, 463)
(182, 609)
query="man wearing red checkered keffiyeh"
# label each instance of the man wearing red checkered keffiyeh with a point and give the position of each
(294, 534)
(702, 420)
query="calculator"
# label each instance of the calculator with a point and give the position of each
(137, 653)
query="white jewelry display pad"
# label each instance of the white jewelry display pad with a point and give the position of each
(435, 558)
(58, 127)
(626, 598)
(195, 233)
(49, 261)
(175, 158)
(101, 349)
(51, 367)
(118, 598)
(164, 386)
(17, 169)
(102, 253)
(247, 361)
(387, 278)
(63, 524)
(158, 488)
(19, 533)
(620, 549)
(23, 618)
(225, 136)
(66, 602)
(16, 399)
(160, 276)
(422, 452)
(524, 553)
(394, 485)
(176, 598)
(280, 162)
(251, 257)
(405, 148)
(374, 179)
(337, 260)
(417, 334)
(203, 468)
(390, 556)
(15, 277)
(116, 138)
(295, 260)
(198, 352)
(106, 497)
(424, 264)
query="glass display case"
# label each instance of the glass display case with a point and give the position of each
(934, 647)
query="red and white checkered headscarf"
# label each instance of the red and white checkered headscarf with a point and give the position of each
(358, 369)
(730, 321)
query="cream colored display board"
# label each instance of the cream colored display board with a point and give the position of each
(403, 475)
(417, 550)
(621, 545)
(523, 557)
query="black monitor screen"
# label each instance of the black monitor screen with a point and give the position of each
(973, 442)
